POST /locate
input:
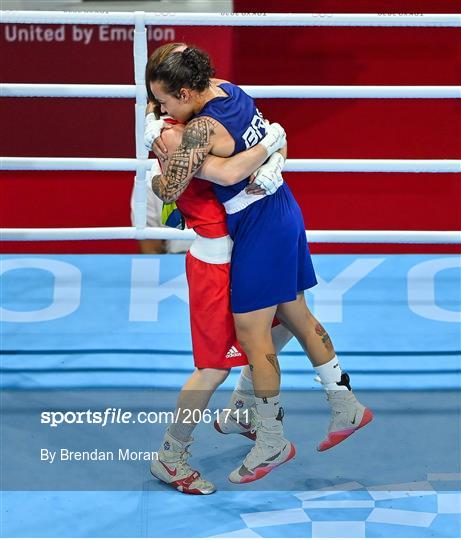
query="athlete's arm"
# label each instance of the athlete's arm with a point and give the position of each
(234, 169)
(229, 171)
(219, 170)
(186, 160)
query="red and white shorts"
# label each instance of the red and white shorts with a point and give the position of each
(214, 342)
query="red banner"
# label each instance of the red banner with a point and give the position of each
(316, 128)
(62, 127)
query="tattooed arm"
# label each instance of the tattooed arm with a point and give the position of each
(219, 170)
(186, 160)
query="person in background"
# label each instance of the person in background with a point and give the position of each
(152, 130)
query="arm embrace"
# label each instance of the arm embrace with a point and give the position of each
(186, 160)
(219, 170)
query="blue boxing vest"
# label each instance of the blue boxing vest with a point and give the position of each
(270, 261)
(239, 115)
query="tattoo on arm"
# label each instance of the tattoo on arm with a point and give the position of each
(186, 160)
(272, 359)
(320, 331)
(157, 185)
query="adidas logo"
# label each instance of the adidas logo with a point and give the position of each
(233, 352)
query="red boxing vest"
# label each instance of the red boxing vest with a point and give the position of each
(201, 209)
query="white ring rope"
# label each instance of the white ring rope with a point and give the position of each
(291, 165)
(166, 233)
(296, 92)
(68, 90)
(345, 92)
(71, 164)
(374, 165)
(235, 19)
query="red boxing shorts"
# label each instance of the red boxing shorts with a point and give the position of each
(214, 342)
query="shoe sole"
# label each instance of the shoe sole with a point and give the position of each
(263, 471)
(247, 434)
(180, 488)
(337, 437)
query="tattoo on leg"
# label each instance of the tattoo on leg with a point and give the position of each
(272, 359)
(320, 331)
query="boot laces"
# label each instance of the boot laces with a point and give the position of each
(255, 420)
(256, 455)
(260, 450)
(185, 470)
(182, 465)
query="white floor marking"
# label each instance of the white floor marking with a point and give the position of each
(397, 491)
(449, 503)
(338, 529)
(401, 517)
(330, 490)
(339, 504)
(276, 517)
(241, 533)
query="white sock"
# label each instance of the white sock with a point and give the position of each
(181, 431)
(171, 445)
(330, 374)
(244, 384)
(268, 407)
(243, 396)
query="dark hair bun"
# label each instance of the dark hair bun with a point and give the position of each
(199, 64)
(190, 68)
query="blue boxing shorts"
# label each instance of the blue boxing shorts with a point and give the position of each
(271, 262)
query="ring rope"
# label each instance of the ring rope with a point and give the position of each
(235, 19)
(291, 165)
(255, 91)
(167, 233)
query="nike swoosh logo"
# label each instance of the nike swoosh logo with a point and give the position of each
(169, 471)
(355, 416)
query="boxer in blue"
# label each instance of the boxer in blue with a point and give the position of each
(271, 265)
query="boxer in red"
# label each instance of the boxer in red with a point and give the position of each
(210, 304)
(215, 346)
